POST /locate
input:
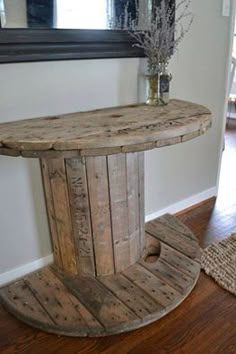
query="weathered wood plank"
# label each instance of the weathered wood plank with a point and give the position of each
(170, 275)
(167, 142)
(173, 238)
(173, 223)
(131, 295)
(9, 152)
(80, 214)
(59, 304)
(100, 214)
(51, 154)
(130, 128)
(104, 306)
(95, 328)
(190, 136)
(22, 303)
(141, 202)
(161, 292)
(119, 210)
(97, 306)
(51, 213)
(179, 261)
(57, 175)
(138, 147)
(100, 151)
(132, 170)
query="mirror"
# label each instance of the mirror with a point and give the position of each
(33, 30)
(65, 14)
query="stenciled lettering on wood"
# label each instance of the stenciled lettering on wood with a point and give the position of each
(80, 213)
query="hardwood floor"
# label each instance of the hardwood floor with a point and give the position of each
(204, 324)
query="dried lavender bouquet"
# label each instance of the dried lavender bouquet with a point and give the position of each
(160, 33)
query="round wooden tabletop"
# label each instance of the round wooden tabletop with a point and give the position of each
(105, 131)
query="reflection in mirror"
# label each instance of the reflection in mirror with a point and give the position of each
(67, 14)
(29, 29)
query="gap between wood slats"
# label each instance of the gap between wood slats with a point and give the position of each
(34, 293)
(169, 282)
(91, 224)
(160, 279)
(119, 299)
(153, 285)
(141, 202)
(144, 290)
(133, 207)
(100, 214)
(85, 296)
(110, 209)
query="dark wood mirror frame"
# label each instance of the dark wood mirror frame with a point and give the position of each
(24, 45)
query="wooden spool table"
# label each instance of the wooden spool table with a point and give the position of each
(111, 272)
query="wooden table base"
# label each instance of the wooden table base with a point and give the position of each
(76, 305)
(111, 272)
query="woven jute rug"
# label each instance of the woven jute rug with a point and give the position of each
(219, 261)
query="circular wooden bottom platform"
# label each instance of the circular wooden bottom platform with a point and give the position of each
(89, 306)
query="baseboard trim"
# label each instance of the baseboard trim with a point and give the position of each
(19, 272)
(184, 204)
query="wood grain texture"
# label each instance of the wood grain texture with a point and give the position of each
(178, 240)
(204, 323)
(100, 214)
(125, 129)
(80, 214)
(132, 177)
(141, 201)
(96, 211)
(76, 305)
(48, 194)
(119, 210)
(63, 235)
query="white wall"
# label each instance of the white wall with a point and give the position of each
(172, 174)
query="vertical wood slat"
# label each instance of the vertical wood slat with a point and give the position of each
(133, 207)
(51, 213)
(100, 214)
(64, 235)
(141, 202)
(119, 210)
(80, 213)
(96, 212)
